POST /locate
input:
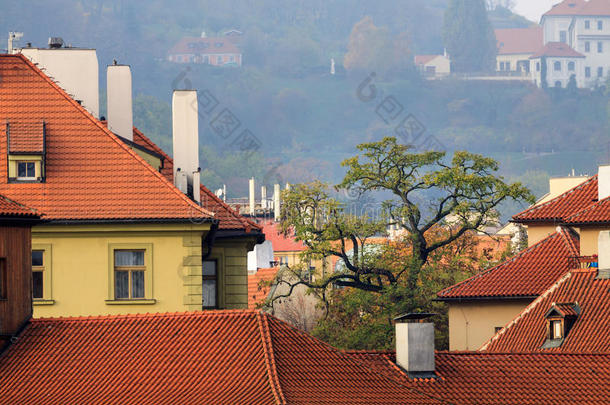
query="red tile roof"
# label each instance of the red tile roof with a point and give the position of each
(518, 40)
(561, 207)
(26, 137)
(90, 173)
(590, 332)
(557, 50)
(596, 213)
(258, 287)
(229, 218)
(580, 7)
(216, 357)
(281, 242)
(528, 274)
(515, 378)
(10, 208)
(424, 59)
(208, 45)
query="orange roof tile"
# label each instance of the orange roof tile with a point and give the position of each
(557, 50)
(229, 218)
(26, 137)
(597, 213)
(528, 274)
(562, 206)
(580, 7)
(10, 208)
(590, 332)
(518, 40)
(91, 174)
(281, 242)
(258, 290)
(215, 357)
(514, 378)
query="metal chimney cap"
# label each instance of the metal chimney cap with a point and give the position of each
(414, 316)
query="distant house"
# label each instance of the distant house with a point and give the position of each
(215, 51)
(433, 65)
(515, 47)
(562, 62)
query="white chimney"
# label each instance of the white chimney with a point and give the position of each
(251, 196)
(185, 133)
(118, 94)
(603, 254)
(263, 197)
(276, 202)
(75, 70)
(603, 180)
(415, 345)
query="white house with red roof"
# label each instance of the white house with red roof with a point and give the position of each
(215, 51)
(433, 65)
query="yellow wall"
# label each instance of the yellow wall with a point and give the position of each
(81, 268)
(471, 324)
(513, 59)
(535, 233)
(589, 240)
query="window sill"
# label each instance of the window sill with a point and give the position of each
(131, 302)
(43, 302)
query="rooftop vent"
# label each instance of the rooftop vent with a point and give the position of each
(56, 42)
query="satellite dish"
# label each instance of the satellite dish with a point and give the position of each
(219, 193)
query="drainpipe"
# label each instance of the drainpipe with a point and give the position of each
(208, 242)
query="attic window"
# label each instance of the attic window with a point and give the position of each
(26, 151)
(26, 170)
(559, 320)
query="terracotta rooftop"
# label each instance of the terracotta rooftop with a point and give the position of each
(281, 242)
(580, 7)
(91, 174)
(590, 332)
(563, 206)
(557, 50)
(208, 45)
(10, 208)
(528, 274)
(512, 41)
(596, 213)
(423, 59)
(258, 290)
(216, 357)
(508, 378)
(26, 137)
(229, 218)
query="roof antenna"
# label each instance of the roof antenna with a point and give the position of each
(114, 62)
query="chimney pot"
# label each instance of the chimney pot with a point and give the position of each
(415, 345)
(603, 180)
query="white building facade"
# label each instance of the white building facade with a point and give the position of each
(584, 26)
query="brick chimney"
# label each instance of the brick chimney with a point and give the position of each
(415, 345)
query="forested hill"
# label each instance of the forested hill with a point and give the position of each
(306, 119)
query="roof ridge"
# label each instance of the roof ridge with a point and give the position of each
(267, 342)
(504, 263)
(151, 315)
(538, 206)
(586, 209)
(109, 133)
(567, 235)
(527, 309)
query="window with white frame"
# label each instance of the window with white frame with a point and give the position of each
(26, 170)
(129, 274)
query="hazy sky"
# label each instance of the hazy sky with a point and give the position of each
(533, 9)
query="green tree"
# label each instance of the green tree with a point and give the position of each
(429, 192)
(469, 37)
(370, 48)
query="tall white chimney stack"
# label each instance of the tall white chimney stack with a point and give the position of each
(276, 202)
(264, 197)
(185, 131)
(603, 254)
(251, 194)
(415, 345)
(118, 93)
(603, 179)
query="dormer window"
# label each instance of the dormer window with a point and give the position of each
(26, 151)
(559, 320)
